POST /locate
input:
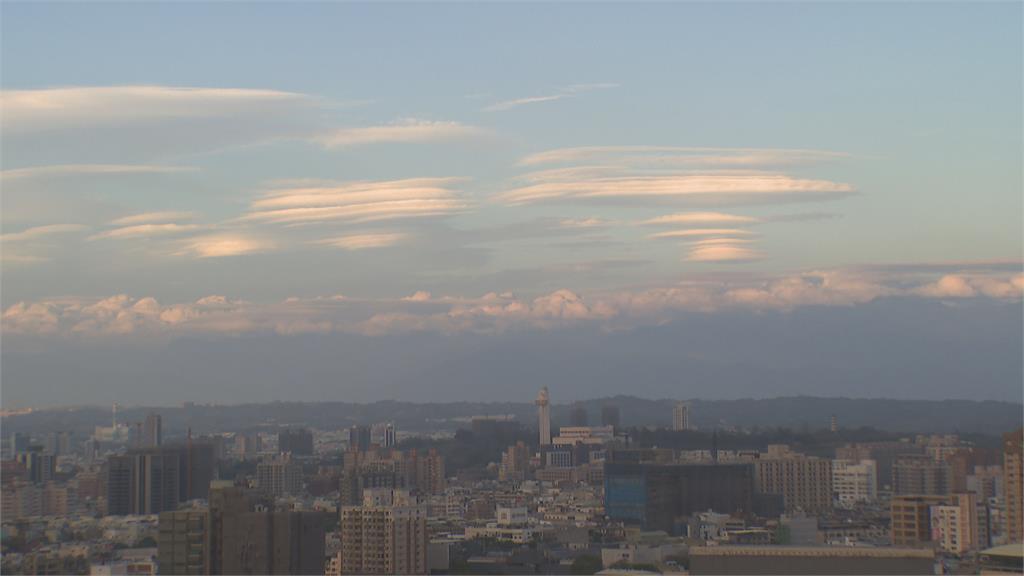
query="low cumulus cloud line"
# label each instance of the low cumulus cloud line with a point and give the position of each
(490, 313)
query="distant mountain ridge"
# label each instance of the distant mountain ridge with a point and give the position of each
(905, 416)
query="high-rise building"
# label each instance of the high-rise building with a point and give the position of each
(544, 416)
(911, 519)
(295, 441)
(610, 415)
(246, 537)
(279, 477)
(854, 482)
(183, 542)
(805, 482)
(40, 467)
(954, 525)
(153, 433)
(19, 442)
(384, 536)
(359, 438)
(515, 463)
(658, 496)
(681, 416)
(1013, 484)
(914, 474)
(578, 414)
(59, 443)
(199, 467)
(144, 481)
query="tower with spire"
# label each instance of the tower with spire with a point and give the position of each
(544, 416)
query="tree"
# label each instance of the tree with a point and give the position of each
(586, 565)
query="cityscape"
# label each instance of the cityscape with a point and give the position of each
(425, 288)
(493, 494)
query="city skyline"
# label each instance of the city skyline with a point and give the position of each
(174, 218)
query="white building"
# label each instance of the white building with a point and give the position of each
(544, 416)
(681, 416)
(955, 526)
(854, 481)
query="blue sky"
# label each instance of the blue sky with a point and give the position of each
(173, 170)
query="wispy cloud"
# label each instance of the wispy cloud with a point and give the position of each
(153, 218)
(668, 156)
(362, 201)
(365, 241)
(728, 250)
(40, 232)
(407, 130)
(219, 245)
(560, 94)
(145, 231)
(61, 108)
(702, 232)
(700, 219)
(90, 169)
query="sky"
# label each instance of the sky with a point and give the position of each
(344, 186)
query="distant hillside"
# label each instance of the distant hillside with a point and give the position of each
(909, 416)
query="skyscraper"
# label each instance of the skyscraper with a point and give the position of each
(153, 432)
(279, 477)
(578, 415)
(544, 416)
(144, 481)
(183, 542)
(295, 441)
(610, 415)
(1013, 480)
(681, 416)
(359, 438)
(920, 474)
(386, 535)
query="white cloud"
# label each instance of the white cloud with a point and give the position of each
(90, 169)
(700, 219)
(667, 156)
(145, 231)
(73, 107)
(358, 202)
(566, 92)
(748, 187)
(365, 241)
(219, 245)
(152, 218)
(408, 130)
(489, 313)
(722, 252)
(40, 232)
(702, 232)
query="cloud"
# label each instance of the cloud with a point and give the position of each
(701, 232)
(145, 231)
(362, 201)
(225, 244)
(408, 130)
(749, 187)
(700, 219)
(582, 222)
(668, 156)
(365, 241)
(40, 232)
(722, 253)
(565, 92)
(120, 315)
(509, 104)
(90, 169)
(75, 107)
(152, 218)
(964, 286)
